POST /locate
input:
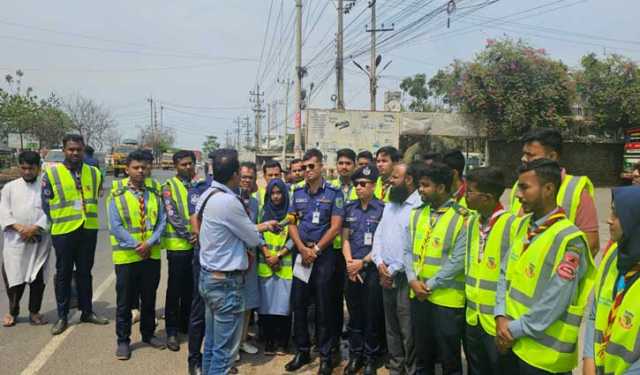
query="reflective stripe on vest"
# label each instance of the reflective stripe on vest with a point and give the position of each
(554, 350)
(481, 277)
(275, 242)
(129, 211)
(69, 208)
(170, 239)
(441, 239)
(379, 192)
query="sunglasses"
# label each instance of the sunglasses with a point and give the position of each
(362, 183)
(309, 166)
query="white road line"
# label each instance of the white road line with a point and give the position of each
(41, 359)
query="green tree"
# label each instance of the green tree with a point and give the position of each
(610, 91)
(417, 88)
(510, 86)
(210, 144)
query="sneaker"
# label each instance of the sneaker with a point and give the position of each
(248, 348)
(123, 351)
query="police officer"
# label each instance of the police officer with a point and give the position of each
(319, 206)
(386, 158)
(136, 222)
(434, 265)
(178, 239)
(70, 199)
(364, 293)
(544, 287)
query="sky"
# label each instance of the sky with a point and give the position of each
(200, 59)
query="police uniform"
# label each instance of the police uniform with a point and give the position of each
(364, 298)
(314, 211)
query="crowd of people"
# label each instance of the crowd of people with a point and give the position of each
(430, 263)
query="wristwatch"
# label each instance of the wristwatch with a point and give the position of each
(316, 248)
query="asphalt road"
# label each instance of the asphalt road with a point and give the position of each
(85, 348)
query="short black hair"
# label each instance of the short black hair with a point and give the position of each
(455, 160)
(489, 180)
(438, 173)
(89, 150)
(271, 164)
(225, 164)
(313, 153)
(434, 156)
(549, 138)
(415, 169)
(72, 138)
(346, 153)
(147, 154)
(294, 161)
(249, 165)
(137, 155)
(390, 151)
(547, 171)
(29, 157)
(365, 154)
(181, 154)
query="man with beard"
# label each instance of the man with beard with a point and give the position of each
(386, 158)
(389, 241)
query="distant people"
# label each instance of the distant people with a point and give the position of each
(386, 158)
(89, 159)
(432, 157)
(455, 160)
(27, 243)
(364, 158)
(297, 174)
(635, 175)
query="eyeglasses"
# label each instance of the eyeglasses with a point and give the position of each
(362, 183)
(309, 166)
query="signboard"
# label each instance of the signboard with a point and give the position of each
(28, 141)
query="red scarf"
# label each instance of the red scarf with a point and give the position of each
(556, 215)
(486, 229)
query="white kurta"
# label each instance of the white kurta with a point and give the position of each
(20, 203)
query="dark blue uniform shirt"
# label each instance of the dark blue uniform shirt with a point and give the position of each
(195, 191)
(327, 201)
(360, 221)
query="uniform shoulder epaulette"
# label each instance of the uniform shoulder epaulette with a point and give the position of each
(333, 187)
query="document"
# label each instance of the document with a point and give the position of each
(302, 272)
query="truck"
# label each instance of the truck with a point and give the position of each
(119, 155)
(631, 152)
(167, 161)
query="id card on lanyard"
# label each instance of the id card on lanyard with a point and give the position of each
(368, 235)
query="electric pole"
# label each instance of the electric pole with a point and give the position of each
(247, 132)
(340, 51)
(257, 99)
(373, 78)
(287, 83)
(297, 149)
(237, 122)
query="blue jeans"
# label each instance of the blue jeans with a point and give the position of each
(224, 315)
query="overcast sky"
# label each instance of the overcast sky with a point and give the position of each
(199, 59)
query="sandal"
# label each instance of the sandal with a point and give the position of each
(37, 320)
(9, 321)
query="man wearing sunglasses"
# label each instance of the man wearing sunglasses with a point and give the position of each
(319, 207)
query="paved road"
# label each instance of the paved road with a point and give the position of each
(87, 348)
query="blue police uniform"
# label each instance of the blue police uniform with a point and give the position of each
(314, 211)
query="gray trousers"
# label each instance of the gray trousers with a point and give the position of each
(397, 314)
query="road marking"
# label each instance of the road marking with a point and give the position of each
(47, 352)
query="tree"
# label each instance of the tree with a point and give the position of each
(159, 139)
(210, 145)
(89, 119)
(610, 91)
(510, 86)
(417, 88)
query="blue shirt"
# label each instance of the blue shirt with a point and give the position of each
(392, 236)
(360, 221)
(117, 228)
(226, 232)
(327, 201)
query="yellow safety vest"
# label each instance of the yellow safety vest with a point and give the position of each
(129, 211)
(70, 208)
(170, 239)
(432, 246)
(623, 348)
(568, 195)
(337, 242)
(379, 191)
(482, 273)
(148, 182)
(555, 350)
(275, 242)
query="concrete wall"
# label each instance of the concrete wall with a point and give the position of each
(602, 162)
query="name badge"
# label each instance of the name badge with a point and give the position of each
(368, 239)
(315, 219)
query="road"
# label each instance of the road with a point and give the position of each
(85, 348)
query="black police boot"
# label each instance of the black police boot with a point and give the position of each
(59, 327)
(326, 367)
(354, 365)
(93, 319)
(173, 344)
(299, 360)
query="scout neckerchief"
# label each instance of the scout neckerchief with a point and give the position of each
(556, 215)
(462, 191)
(139, 194)
(485, 229)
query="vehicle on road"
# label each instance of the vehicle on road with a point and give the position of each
(119, 155)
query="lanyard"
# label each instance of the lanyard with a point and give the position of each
(433, 221)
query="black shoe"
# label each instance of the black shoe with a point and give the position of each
(326, 367)
(59, 327)
(269, 349)
(370, 368)
(195, 370)
(154, 342)
(123, 352)
(354, 365)
(94, 319)
(173, 344)
(299, 360)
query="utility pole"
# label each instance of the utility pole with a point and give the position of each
(340, 52)
(297, 148)
(373, 78)
(257, 99)
(287, 83)
(161, 116)
(237, 122)
(269, 124)
(247, 131)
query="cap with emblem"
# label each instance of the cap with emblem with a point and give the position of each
(368, 172)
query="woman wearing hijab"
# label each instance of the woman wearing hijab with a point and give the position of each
(275, 271)
(612, 342)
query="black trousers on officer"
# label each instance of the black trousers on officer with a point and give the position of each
(482, 354)
(142, 277)
(366, 314)
(320, 287)
(514, 365)
(77, 249)
(340, 278)
(438, 333)
(177, 308)
(196, 319)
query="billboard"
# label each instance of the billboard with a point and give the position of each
(28, 141)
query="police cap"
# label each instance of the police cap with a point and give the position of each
(367, 172)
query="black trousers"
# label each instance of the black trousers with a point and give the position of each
(320, 289)
(276, 329)
(339, 281)
(438, 333)
(196, 319)
(482, 354)
(78, 249)
(177, 308)
(366, 314)
(36, 291)
(143, 276)
(514, 365)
